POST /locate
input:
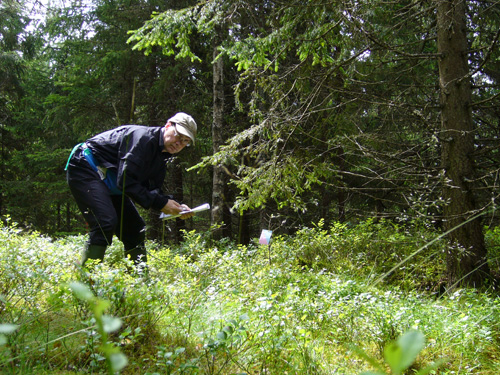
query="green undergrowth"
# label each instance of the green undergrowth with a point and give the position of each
(312, 303)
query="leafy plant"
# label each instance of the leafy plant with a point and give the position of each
(115, 360)
(5, 330)
(371, 249)
(400, 355)
(228, 310)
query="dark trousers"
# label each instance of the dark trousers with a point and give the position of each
(105, 214)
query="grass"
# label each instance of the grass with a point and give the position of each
(312, 308)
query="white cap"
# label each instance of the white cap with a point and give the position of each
(185, 125)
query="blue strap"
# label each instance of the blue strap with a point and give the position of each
(110, 182)
(108, 176)
(87, 152)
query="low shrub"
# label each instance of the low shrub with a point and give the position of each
(374, 249)
(306, 304)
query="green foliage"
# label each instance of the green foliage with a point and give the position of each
(343, 95)
(32, 173)
(67, 76)
(492, 239)
(12, 47)
(316, 86)
(210, 308)
(373, 249)
(312, 35)
(6, 329)
(169, 30)
(400, 355)
(115, 360)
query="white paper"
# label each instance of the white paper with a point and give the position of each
(265, 237)
(202, 207)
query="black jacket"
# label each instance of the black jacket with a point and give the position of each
(136, 154)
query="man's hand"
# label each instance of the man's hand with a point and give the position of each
(174, 208)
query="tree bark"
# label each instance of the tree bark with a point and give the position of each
(59, 217)
(156, 227)
(218, 183)
(178, 191)
(68, 217)
(466, 257)
(2, 166)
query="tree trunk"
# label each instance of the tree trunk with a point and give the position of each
(59, 217)
(68, 217)
(342, 196)
(466, 256)
(2, 167)
(156, 227)
(178, 191)
(243, 229)
(218, 183)
(169, 231)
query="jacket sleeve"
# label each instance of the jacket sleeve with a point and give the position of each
(138, 157)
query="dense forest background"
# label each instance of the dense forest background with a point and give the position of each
(307, 110)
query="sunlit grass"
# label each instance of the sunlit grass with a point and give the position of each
(226, 309)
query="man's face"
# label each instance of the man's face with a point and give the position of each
(173, 141)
